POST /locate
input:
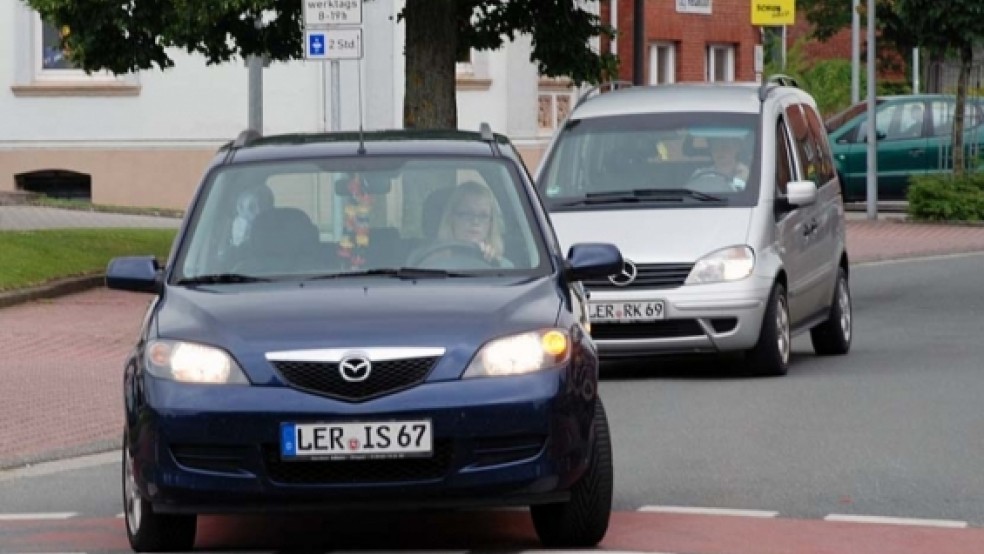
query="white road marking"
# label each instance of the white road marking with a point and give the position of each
(708, 511)
(897, 521)
(40, 516)
(916, 258)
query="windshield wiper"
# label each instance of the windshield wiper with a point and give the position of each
(221, 278)
(685, 192)
(400, 273)
(640, 195)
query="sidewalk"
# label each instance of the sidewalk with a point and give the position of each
(62, 362)
(22, 218)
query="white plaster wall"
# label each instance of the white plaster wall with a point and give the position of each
(193, 102)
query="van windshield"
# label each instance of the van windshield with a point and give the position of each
(659, 160)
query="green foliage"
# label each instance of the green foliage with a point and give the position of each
(36, 257)
(946, 197)
(829, 81)
(828, 17)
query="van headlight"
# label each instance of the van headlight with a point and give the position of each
(728, 264)
(189, 362)
(521, 354)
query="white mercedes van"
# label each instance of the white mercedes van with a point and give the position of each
(726, 205)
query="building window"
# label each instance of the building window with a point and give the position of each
(52, 62)
(720, 62)
(463, 63)
(662, 63)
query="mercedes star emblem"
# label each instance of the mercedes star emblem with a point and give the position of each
(626, 276)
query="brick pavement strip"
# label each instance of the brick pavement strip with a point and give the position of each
(62, 358)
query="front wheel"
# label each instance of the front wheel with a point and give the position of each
(833, 337)
(582, 521)
(147, 531)
(770, 356)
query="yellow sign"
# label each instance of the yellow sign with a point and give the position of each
(773, 12)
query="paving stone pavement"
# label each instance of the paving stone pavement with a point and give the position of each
(37, 217)
(61, 358)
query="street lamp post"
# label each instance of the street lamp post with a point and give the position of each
(872, 180)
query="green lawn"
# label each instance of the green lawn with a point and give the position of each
(30, 258)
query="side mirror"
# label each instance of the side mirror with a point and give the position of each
(135, 273)
(587, 260)
(801, 193)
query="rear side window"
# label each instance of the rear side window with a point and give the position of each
(825, 171)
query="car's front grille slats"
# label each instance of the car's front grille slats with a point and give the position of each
(649, 276)
(385, 377)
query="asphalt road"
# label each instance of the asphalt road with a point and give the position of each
(894, 429)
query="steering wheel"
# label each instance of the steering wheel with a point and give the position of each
(711, 176)
(458, 249)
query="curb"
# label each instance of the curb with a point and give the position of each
(53, 289)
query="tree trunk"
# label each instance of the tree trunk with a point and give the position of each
(966, 59)
(431, 48)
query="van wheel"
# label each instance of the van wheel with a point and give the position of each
(147, 531)
(833, 337)
(770, 356)
(582, 521)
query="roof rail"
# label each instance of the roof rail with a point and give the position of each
(244, 138)
(485, 131)
(599, 88)
(774, 81)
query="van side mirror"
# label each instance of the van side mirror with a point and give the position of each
(801, 193)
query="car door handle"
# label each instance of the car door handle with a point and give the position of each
(916, 152)
(810, 228)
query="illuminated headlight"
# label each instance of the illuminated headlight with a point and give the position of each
(188, 362)
(728, 264)
(520, 354)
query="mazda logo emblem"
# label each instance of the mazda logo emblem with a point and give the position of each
(626, 276)
(355, 369)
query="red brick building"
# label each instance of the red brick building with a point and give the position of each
(688, 40)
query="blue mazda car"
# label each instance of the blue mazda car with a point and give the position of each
(365, 321)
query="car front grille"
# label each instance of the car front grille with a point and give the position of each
(651, 276)
(385, 377)
(399, 470)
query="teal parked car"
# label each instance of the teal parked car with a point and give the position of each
(913, 138)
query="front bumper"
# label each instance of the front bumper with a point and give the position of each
(497, 442)
(723, 317)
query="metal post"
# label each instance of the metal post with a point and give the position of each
(784, 48)
(915, 71)
(254, 111)
(638, 43)
(872, 181)
(336, 100)
(855, 52)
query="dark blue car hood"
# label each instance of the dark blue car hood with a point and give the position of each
(457, 314)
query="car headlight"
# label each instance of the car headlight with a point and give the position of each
(728, 264)
(189, 362)
(520, 354)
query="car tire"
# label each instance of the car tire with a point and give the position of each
(833, 337)
(582, 521)
(770, 355)
(146, 530)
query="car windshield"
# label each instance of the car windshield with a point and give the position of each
(367, 216)
(654, 160)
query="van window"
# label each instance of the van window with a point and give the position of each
(784, 162)
(825, 168)
(642, 155)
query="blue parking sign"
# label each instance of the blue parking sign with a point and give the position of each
(316, 44)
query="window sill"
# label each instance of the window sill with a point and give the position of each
(68, 88)
(561, 84)
(468, 83)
